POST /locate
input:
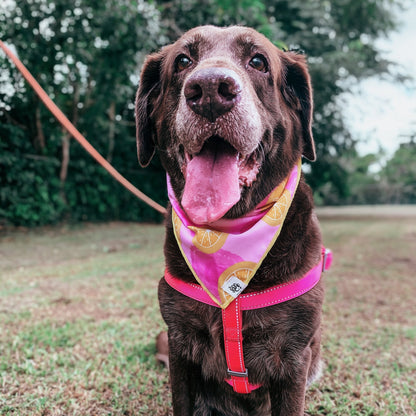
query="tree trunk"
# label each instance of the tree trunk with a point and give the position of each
(111, 131)
(40, 135)
(66, 144)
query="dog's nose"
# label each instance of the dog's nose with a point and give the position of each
(211, 92)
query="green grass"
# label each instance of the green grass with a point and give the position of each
(79, 316)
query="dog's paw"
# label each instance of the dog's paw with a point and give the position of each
(316, 373)
(162, 348)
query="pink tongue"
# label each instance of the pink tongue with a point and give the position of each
(212, 185)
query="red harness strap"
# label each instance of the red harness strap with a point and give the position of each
(232, 315)
(233, 342)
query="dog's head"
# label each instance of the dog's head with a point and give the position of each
(229, 113)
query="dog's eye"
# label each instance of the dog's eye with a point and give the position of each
(259, 62)
(182, 63)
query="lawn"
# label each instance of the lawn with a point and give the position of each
(79, 316)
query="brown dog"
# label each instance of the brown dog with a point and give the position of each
(219, 92)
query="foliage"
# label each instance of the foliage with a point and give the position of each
(28, 179)
(398, 176)
(394, 183)
(363, 185)
(84, 56)
(87, 54)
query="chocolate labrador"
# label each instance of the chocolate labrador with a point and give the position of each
(230, 116)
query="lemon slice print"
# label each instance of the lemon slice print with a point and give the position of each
(243, 271)
(277, 213)
(208, 241)
(277, 193)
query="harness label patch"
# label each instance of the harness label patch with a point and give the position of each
(233, 286)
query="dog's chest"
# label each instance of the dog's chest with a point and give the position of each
(196, 335)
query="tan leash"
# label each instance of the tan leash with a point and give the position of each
(60, 116)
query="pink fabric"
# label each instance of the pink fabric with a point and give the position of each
(268, 297)
(223, 256)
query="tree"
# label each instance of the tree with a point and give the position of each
(84, 53)
(398, 177)
(363, 183)
(87, 54)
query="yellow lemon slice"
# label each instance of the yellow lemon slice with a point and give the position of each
(277, 192)
(277, 213)
(208, 241)
(239, 272)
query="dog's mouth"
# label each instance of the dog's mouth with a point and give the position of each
(214, 178)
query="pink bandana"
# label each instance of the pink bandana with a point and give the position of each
(224, 257)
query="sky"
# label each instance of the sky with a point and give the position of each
(381, 112)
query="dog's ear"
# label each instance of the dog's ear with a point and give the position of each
(148, 86)
(297, 91)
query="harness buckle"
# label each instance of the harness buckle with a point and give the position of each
(326, 260)
(237, 373)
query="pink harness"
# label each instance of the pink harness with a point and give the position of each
(232, 314)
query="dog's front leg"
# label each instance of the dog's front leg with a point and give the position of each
(288, 397)
(182, 379)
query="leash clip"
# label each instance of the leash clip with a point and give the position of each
(237, 373)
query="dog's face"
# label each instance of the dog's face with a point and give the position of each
(229, 113)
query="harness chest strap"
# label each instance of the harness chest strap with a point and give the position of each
(232, 314)
(233, 344)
